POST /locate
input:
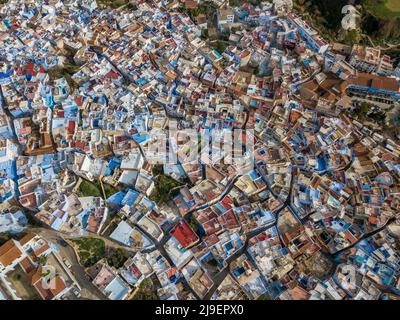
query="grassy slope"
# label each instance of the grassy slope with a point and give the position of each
(165, 189)
(88, 189)
(384, 9)
(90, 250)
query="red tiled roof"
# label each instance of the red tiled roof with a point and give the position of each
(9, 252)
(80, 144)
(113, 75)
(27, 265)
(227, 202)
(135, 271)
(71, 127)
(184, 234)
(78, 100)
(28, 237)
(373, 81)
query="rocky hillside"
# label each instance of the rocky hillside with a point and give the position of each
(379, 24)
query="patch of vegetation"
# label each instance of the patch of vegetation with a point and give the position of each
(16, 277)
(264, 296)
(238, 3)
(147, 291)
(351, 37)
(219, 46)
(117, 257)
(89, 189)
(324, 16)
(363, 110)
(256, 71)
(381, 31)
(378, 117)
(113, 4)
(331, 12)
(213, 263)
(193, 224)
(207, 8)
(4, 237)
(132, 6)
(21, 283)
(109, 190)
(384, 9)
(43, 260)
(379, 22)
(157, 169)
(203, 35)
(90, 250)
(66, 71)
(33, 222)
(166, 188)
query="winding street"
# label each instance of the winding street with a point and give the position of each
(218, 278)
(227, 189)
(159, 245)
(89, 290)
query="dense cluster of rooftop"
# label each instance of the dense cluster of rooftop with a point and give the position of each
(86, 91)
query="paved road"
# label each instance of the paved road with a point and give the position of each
(217, 279)
(367, 235)
(89, 291)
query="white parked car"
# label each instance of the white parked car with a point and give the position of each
(67, 263)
